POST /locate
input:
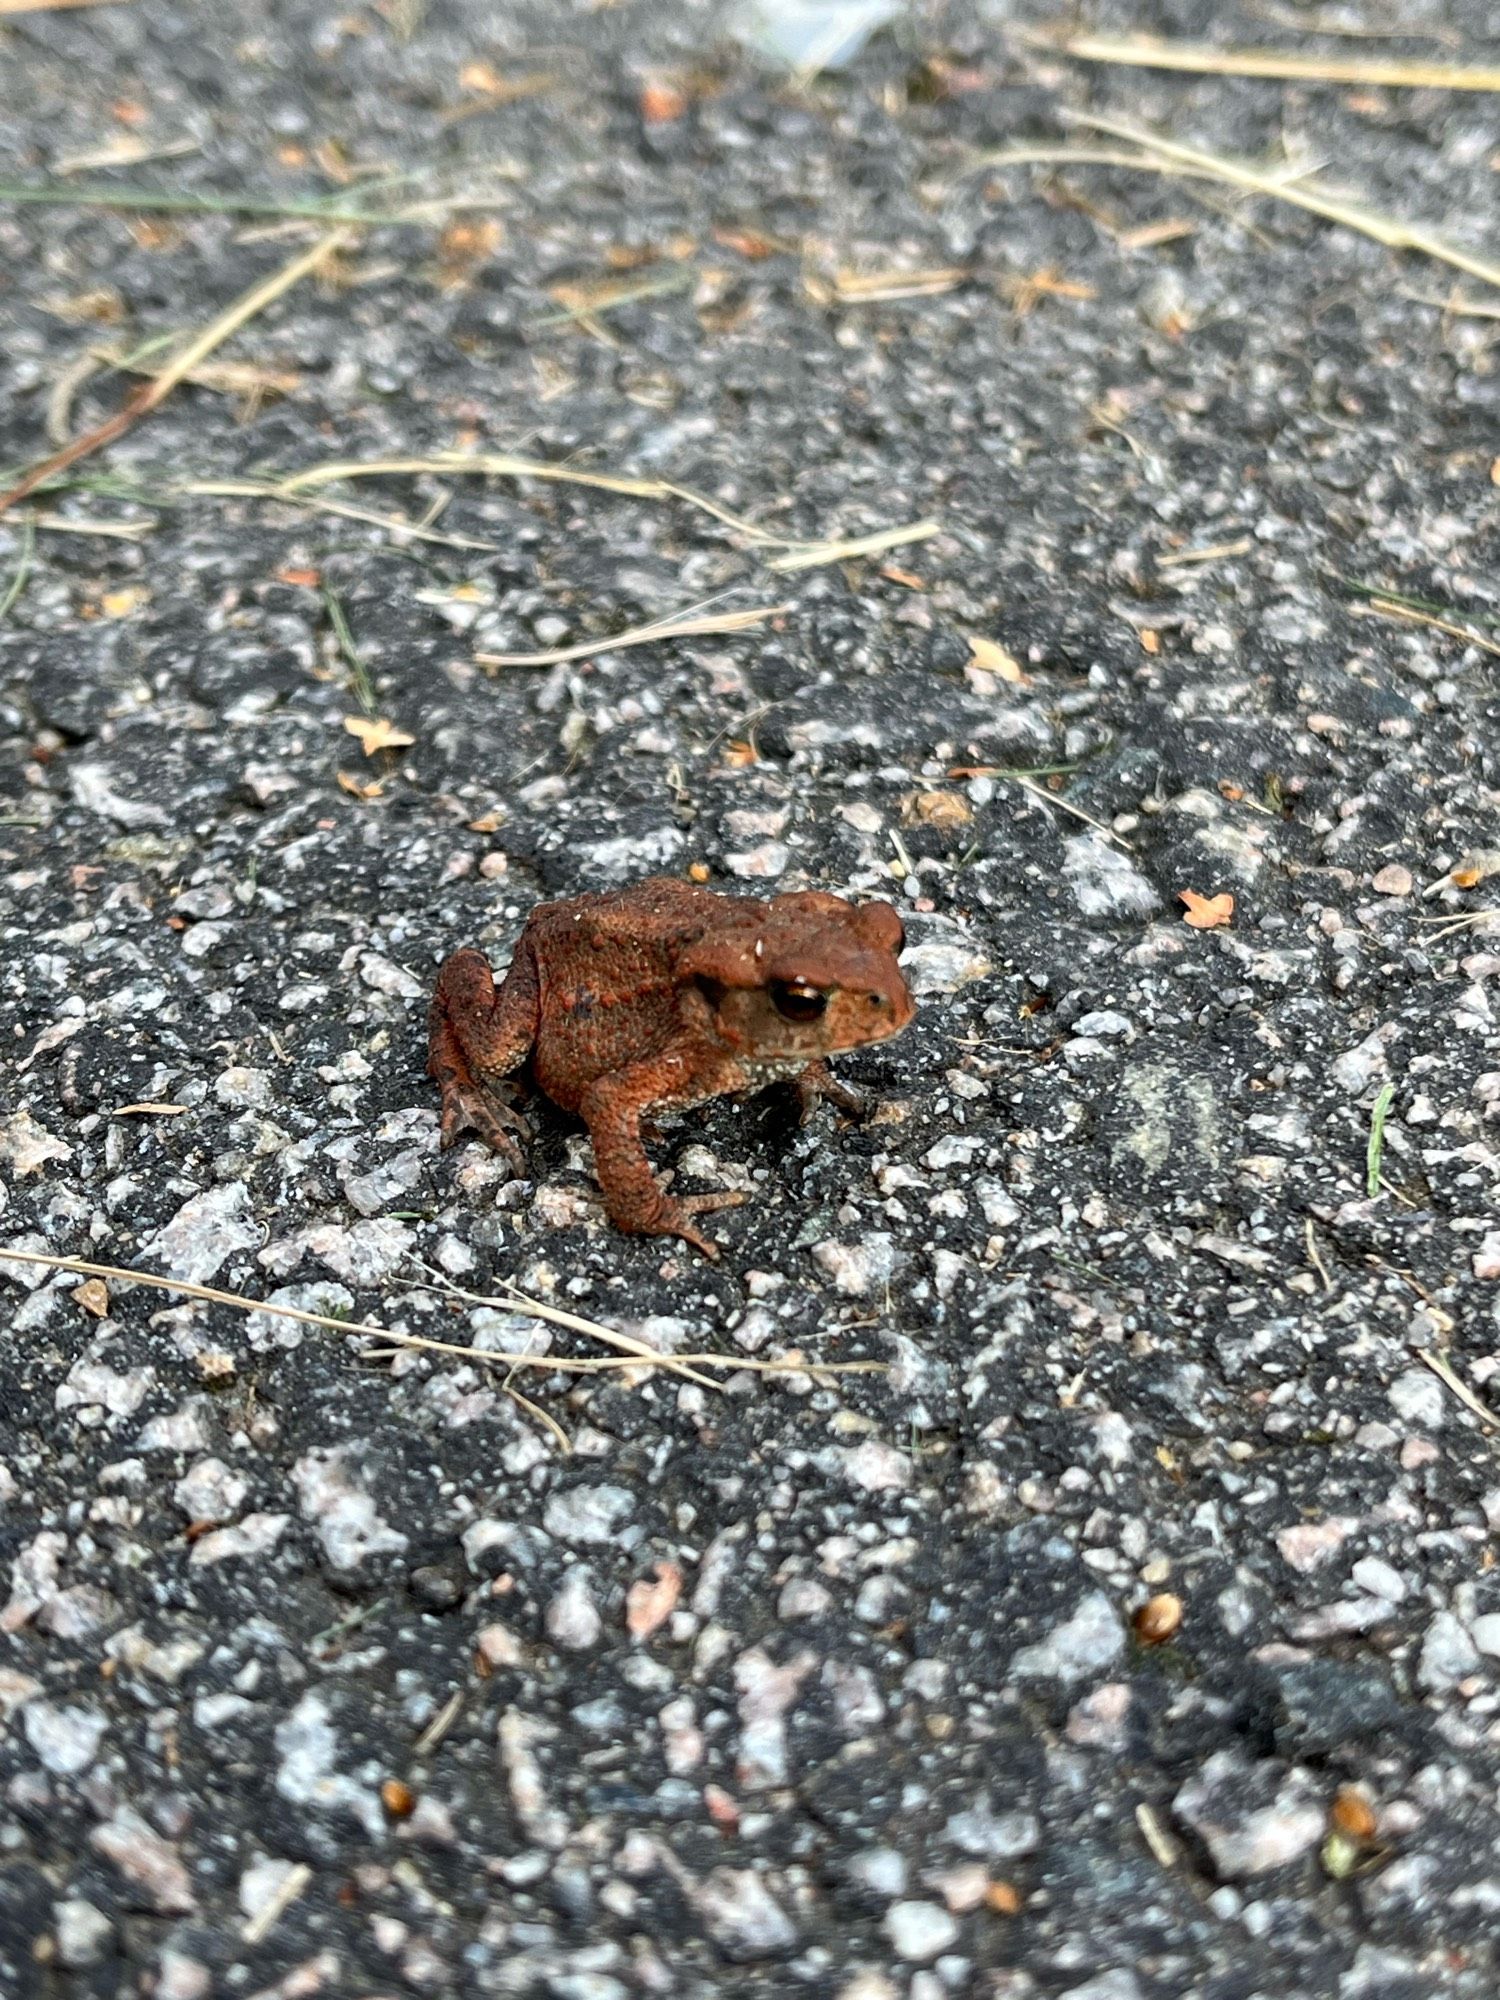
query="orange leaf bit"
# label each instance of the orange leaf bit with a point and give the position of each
(1206, 913)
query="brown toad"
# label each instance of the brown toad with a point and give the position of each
(657, 997)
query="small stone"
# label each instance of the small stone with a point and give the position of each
(1485, 1632)
(1084, 1643)
(760, 863)
(210, 1492)
(1104, 882)
(1158, 1619)
(588, 1513)
(743, 1918)
(572, 1618)
(1392, 880)
(204, 1233)
(876, 1467)
(340, 1510)
(940, 967)
(919, 1932)
(26, 1147)
(255, 1536)
(1380, 1579)
(151, 1865)
(1310, 1543)
(1417, 1395)
(82, 1932)
(1248, 1821)
(857, 1269)
(650, 1601)
(66, 1739)
(1448, 1654)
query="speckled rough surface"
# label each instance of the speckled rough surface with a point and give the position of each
(330, 1675)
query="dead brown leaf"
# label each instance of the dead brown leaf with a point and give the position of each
(994, 659)
(359, 788)
(93, 1296)
(1206, 913)
(377, 733)
(937, 809)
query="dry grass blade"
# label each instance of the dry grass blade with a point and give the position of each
(1141, 52)
(515, 1300)
(801, 553)
(1460, 1388)
(395, 524)
(1387, 229)
(1382, 607)
(183, 363)
(636, 1355)
(1064, 805)
(639, 635)
(813, 555)
(120, 531)
(504, 465)
(292, 1885)
(1179, 558)
(50, 6)
(876, 287)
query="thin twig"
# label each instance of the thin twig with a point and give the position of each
(1202, 60)
(1460, 1388)
(655, 633)
(1315, 1257)
(145, 399)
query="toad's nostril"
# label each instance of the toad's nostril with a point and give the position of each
(877, 999)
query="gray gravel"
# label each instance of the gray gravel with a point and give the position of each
(324, 1674)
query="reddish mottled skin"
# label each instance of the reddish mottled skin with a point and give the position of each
(657, 997)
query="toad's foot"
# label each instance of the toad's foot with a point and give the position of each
(818, 1080)
(473, 1107)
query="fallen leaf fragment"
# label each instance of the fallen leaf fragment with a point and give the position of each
(303, 579)
(1475, 867)
(93, 1296)
(357, 788)
(377, 733)
(994, 659)
(120, 603)
(1206, 913)
(937, 809)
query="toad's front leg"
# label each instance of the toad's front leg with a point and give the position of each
(478, 1032)
(612, 1107)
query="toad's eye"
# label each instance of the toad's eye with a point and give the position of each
(795, 1000)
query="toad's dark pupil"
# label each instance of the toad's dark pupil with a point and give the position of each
(797, 1002)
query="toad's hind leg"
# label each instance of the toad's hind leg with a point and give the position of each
(478, 1032)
